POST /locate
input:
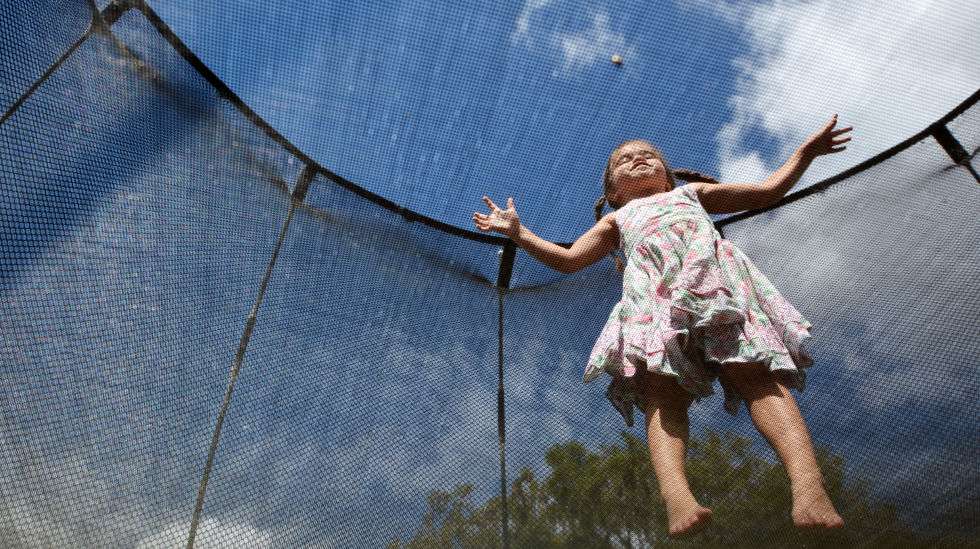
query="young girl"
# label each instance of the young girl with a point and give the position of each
(694, 309)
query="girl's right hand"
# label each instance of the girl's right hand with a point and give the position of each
(502, 221)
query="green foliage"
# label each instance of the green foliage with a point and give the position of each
(610, 499)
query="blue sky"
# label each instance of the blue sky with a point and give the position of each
(520, 99)
(397, 96)
(139, 291)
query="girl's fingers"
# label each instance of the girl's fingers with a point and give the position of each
(489, 202)
(842, 130)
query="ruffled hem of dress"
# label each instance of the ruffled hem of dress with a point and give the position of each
(666, 354)
(791, 364)
(678, 355)
(688, 313)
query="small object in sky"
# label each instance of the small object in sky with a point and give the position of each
(617, 59)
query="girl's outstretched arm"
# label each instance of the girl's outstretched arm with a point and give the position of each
(597, 242)
(735, 197)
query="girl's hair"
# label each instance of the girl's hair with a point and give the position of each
(672, 176)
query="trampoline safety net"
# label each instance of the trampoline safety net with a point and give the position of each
(207, 337)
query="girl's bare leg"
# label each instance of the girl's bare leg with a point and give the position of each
(667, 435)
(777, 417)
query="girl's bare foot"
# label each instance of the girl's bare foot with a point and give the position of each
(687, 518)
(813, 509)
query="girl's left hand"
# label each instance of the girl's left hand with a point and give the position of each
(823, 142)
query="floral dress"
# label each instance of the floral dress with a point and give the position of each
(691, 303)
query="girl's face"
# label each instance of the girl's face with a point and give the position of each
(635, 172)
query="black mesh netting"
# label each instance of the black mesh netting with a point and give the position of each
(140, 211)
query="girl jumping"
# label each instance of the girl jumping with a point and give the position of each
(694, 309)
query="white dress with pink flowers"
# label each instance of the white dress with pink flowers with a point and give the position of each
(691, 303)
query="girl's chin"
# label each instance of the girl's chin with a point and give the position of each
(644, 184)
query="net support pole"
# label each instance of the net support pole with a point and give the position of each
(299, 194)
(507, 255)
(953, 148)
(95, 25)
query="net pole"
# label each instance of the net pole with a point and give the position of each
(298, 196)
(954, 149)
(507, 255)
(94, 25)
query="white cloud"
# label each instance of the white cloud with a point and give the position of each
(596, 44)
(579, 50)
(523, 24)
(888, 73)
(56, 500)
(211, 534)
